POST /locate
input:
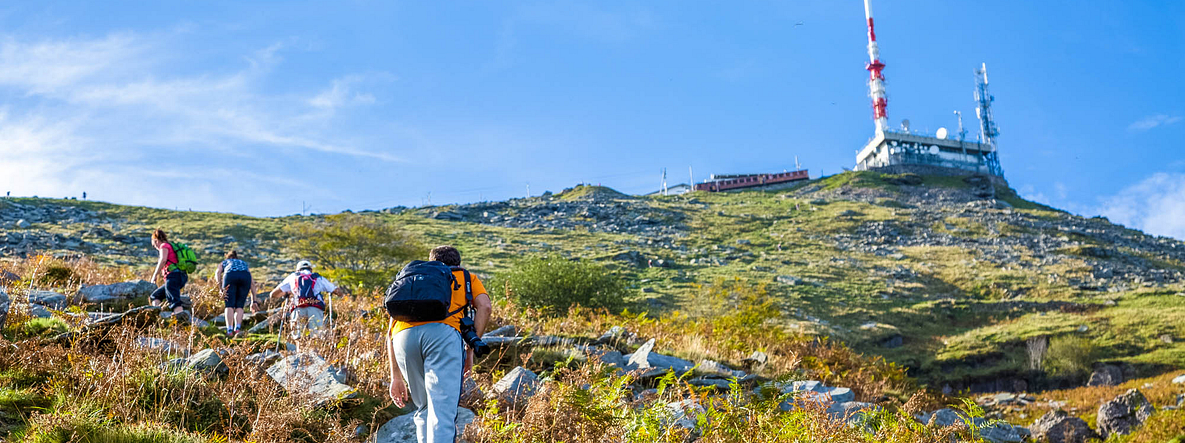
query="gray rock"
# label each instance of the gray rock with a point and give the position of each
(718, 383)
(470, 391)
(1180, 379)
(756, 361)
(23, 224)
(118, 291)
(264, 358)
(157, 344)
(38, 311)
(505, 331)
(1124, 413)
(206, 360)
(643, 358)
(311, 375)
(613, 334)
(5, 303)
(941, 418)
(849, 411)
(402, 429)
(1000, 432)
(48, 299)
(640, 358)
(1060, 427)
(516, 387)
(1106, 375)
(788, 280)
(711, 367)
(684, 413)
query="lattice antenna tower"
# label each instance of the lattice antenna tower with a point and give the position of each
(987, 124)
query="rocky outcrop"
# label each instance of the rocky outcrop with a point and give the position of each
(1059, 427)
(1124, 413)
(48, 299)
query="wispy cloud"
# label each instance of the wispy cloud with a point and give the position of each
(1154, 121)
(1155, 205)
(84, 113)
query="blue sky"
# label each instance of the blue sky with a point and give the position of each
(264, 108)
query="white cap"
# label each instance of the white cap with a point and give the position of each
(304, 264)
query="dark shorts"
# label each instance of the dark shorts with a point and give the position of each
(238, 288)
(170, 292)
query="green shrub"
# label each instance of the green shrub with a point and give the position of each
(356, 251)
(1070, 356)
(552, 285)
(44, 327)
(55, 275)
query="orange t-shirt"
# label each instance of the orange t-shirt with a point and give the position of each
(458, 302)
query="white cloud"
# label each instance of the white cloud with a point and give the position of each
(1155, 205)
(1154, 121)
(342, 94)
(108, 113)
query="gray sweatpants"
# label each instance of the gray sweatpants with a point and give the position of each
(432, 360)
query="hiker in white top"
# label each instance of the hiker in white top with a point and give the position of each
(307, 306)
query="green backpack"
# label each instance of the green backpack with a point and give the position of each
(186, 258)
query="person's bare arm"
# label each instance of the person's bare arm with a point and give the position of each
(482, 310)
(160, 264)
(398, 389)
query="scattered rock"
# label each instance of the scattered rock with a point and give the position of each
(613, 334)
(756, 361)
(48, 299)
(1180, 379)
(1059, 427)
(310, 374)
(1124, 413)
(505, 331)
(264, 358)
(1106, 375)
(788, 280)
(5, 303)
(23, 224)
(158, 344)
(684, 413)
(643, 358)
(517, 386)
(206, 360)
(402, 429)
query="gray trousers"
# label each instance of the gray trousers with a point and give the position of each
(432, 360)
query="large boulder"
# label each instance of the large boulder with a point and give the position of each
(1060, 427)
(119, 291)
(5, 302)
(998, 432)
(516, 387)
(1124, 413)
(1106, 375)
(309, 374)
(402, 429)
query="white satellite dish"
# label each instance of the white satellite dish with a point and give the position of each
(905, 125)
(941, 133)
(934, 150)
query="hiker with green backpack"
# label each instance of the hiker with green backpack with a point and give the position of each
(175, 264)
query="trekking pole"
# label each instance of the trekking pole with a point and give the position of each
(283, 316)
(330, 312)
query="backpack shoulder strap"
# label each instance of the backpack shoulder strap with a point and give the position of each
(468, 290)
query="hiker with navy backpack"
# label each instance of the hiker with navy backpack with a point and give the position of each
(307, 306)
(234, 283)
(438, 311)
(175, 263)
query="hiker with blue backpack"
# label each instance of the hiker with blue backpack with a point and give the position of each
(438, 311)
(234, 283)
(307, 308)
(174, 264)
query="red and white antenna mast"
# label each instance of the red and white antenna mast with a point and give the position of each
(876, 81)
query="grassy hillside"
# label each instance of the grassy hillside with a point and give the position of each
(877, 261)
